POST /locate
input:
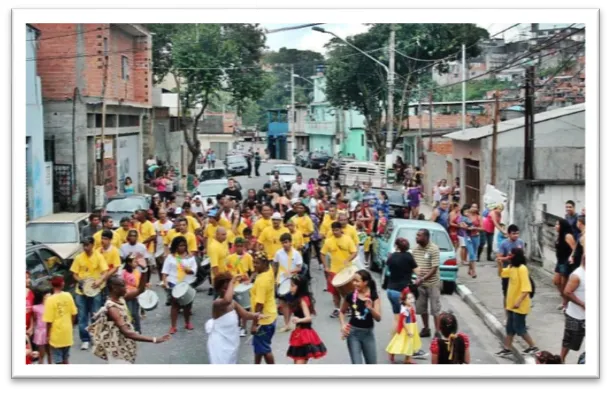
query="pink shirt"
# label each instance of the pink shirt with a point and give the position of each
(488, 224)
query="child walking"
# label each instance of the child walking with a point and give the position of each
(406, 340)
(40, 328)
(304, 344)
(452, 347)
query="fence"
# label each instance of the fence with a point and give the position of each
(63, 186)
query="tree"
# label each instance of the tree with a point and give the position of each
(355, 81)
(206, 61)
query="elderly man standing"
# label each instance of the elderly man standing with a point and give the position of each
(426, 255)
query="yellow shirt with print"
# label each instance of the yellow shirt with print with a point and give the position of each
(85, 266)
(217, 253)
(339, 249)
(225, 223)
(210, 233)
(298, 240)
(270, 239)
(351, 231)
(59, 312)
(260, 225)
(519, 282)
(97, 239)
(304, 225)
(112, 256)
(264, 292)
(121, 236)
(240, 264)
(325, 227)
(191, 239)
(192, 224)
(145, 230)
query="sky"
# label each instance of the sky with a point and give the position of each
(307, 39)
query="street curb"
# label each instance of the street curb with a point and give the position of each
(489, 319)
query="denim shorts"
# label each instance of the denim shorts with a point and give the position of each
(516, 324)
(60, 355)
(562, 268)
(395, 300)
(262, 340)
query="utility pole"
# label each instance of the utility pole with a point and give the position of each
(464, 87)
(495, 126)
(419, 143)
(100, 176)
(391, 90)
(291, 116)
(529, 126)
(431, 121)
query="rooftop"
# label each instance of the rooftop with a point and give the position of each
(486, 131)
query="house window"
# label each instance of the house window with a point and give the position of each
(129, 120)
(49, 147)
(124, 68)
(105, 46)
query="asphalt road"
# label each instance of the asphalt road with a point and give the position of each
(189, 347)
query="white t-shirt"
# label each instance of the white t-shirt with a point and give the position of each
(297, 188)
(572, 309)
(170, 267)
(160, 228)
(282, 259)
(127, 249)
(443, 190)
(150, 161)
(198, 209)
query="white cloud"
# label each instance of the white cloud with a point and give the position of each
(307, 39)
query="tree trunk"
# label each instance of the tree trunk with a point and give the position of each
(193, 142)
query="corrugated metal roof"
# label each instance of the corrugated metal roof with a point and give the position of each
(512, 124)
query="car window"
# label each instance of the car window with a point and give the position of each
(286, 170)
(51, 232)
(236, 159)
(126, 205)
(34, 265)
(51, 261)
(211, 189)
(212, 175)
(440, 238)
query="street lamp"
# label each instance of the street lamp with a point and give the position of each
(391, 84)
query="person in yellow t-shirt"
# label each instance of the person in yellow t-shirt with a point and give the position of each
(89, 264)
(192, 222)
(181, 230)
(213, 225)
(263, 301)
(296, 235)
(327, 220)
(347, 228)
(517, 302)
(97, 237)
(120, 234)
(240, 263)
(110, 252)
(146, 231)
(218, 253)
(263, 222)
(339, 250)
(60, 313)
(270, 236)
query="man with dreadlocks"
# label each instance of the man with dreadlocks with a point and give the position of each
(452, 347)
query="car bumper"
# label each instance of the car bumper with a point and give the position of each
(448, 273)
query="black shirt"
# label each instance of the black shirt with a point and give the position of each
(288, 215)
(365, 319)
(401, 266)
(234, 194)
(263, 197)
(324, 180)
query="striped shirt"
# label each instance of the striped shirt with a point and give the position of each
(427, 258)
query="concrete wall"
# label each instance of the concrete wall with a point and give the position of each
(435, 169)
(168, 145)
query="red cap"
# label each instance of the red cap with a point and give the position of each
(57, 282)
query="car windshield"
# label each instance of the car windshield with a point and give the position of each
(235, 159)
(394, 197)
(319, 156)
(440, 238)
(213, 174)
(126, 205)
(211, 189)
(286, 170)
(48, 232)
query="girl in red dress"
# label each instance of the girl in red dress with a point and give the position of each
(29, 303)
(304, 343)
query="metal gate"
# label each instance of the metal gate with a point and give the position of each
(472, 189)
(220, 150)
(63, 186)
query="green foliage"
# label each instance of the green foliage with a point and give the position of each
(476, 90)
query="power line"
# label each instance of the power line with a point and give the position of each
(70, 34)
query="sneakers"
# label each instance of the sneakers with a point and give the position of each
(85, 346)
(503, 352)
(242, 332)
(530, 350)
(189, 326)
(420, 354)
(172, 330)
(335, 313)
(425, 332)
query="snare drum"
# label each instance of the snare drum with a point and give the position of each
(89, 290)
(284, 288)
(241, 294)
(183, 293)
(343, 280)
(148, 300)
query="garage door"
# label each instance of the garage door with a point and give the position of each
(220, 149)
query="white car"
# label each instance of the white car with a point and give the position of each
(288, 174)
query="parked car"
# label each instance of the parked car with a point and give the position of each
(236, 165)
(211, 188)
(448, 269)
(398, 206)
(43, 263)
(60, 232)
(317, 160)
(301, 159)
(212, 174)
(125, 205)
(288, 174)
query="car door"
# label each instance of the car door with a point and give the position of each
(56, 266)
(35, 266)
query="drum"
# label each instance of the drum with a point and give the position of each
(284, 288)
(206, 262)
(183, 293)
(343, 280)
(89, 290)
(148, 300)
(241, 294)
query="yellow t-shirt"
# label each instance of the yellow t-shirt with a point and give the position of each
(260, 225)
(121, 236)
(225, 223)
(192, 224)
(298, 240)
(88, 266)
(339, 249)
(210, 233)
(519, 282)
(218, 253)
(240, 230)
(191, 239)
(325, 227)
(112, 256)
(145, 231)
(304, 225)
(59, 310)
(351, 231)
(270, 238)
(240, 264)
(97, 239)
(264, 292)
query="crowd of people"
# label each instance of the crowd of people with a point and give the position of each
(262, 244)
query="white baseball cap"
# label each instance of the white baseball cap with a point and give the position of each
(295, 200)
(276, 216)
(353, 205)
(178, 210)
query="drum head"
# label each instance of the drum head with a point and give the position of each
(344, 276)
(148, 300)
(179, 290)
(206, 262)
(284, 287)
(241, 288)
(88, 289)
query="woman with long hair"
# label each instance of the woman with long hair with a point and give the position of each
(452, 347)
(545, 357)
(364, 303)
(413, 194)
(400, 267)
(565, 246)
(304, 344)
(471, 217)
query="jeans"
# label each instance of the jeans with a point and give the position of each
(362, 341)
(485, 239)
(472, 243)
(307, 257)
(87, 306)
(394, 297)
(134, 310)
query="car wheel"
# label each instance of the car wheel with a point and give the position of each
(448, 287)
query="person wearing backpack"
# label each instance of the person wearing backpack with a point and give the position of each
(517, 301)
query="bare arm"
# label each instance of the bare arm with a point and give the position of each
(307, 317)
(569, 291)
(123, 327)
(376, 312)
(144, 279)
(467, 356)
(434, 216)
(250, 316)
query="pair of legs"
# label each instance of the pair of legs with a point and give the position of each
(574, 332)
(428, 295)
(44, 351)
(60, 355)
(362, 346)
(286, 314)
(472, 243)
(462, 250)
(174, 315)
(262, 343)
(516, 325)
(485, 239)
(560, 279)
(415, 211)
(87, 306)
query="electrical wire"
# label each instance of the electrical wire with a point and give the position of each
(70, 34)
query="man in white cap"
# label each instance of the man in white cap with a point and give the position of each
(197, 206)
(270, 236)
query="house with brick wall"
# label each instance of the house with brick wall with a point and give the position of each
(96, 79)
